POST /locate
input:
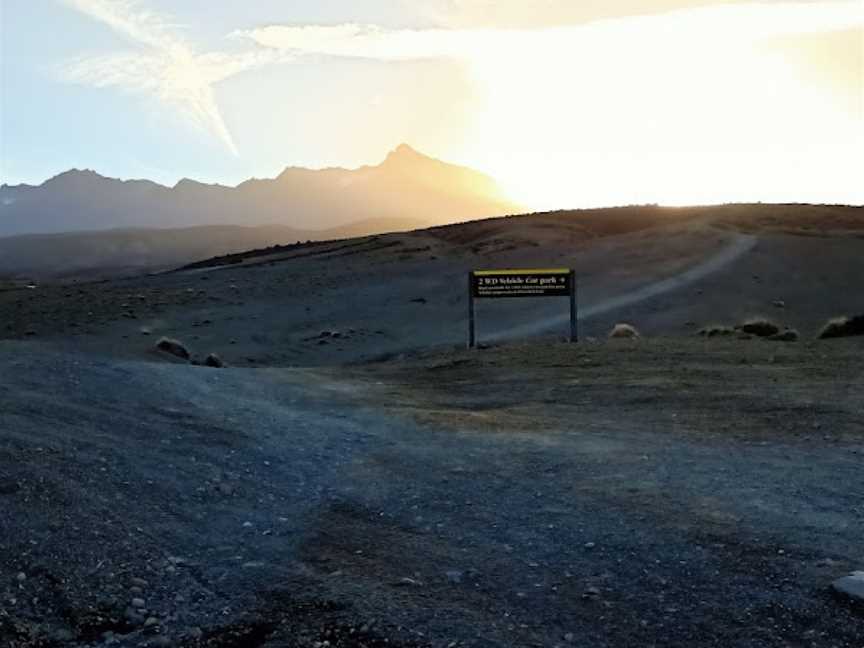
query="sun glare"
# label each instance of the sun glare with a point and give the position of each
(653, 116)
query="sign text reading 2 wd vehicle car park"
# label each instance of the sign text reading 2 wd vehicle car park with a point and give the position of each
(521, 283)
(497, 284)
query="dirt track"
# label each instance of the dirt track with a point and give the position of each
(675, 495)
(736, 248)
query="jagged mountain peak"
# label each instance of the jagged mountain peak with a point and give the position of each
(74, 175)
(406, 153)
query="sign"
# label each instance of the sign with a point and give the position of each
(496, 284)
(501, 284)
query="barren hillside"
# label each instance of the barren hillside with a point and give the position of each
(355, 478)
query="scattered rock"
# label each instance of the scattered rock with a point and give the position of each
(591, 593)
(214, 361)
(138, 603)
(419, 300)
(851, 586)
(779, 304)
(173, 347)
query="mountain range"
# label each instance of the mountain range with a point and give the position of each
(406, 185)
(82, 223)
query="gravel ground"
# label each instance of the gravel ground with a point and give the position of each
(660, 493)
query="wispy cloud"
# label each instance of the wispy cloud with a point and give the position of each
(163, 64)
(739, 21)
(540, 13)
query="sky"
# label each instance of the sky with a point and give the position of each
(567, 103)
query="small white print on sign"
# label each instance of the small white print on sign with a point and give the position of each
(521, 283)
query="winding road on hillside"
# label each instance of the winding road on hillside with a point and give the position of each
(740, 245)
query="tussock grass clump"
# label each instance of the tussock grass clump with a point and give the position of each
(717, 330)
(173, 347)
(843, 327)
(625, 332)
(759, 326)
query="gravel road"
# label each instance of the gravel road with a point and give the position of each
(676, 494)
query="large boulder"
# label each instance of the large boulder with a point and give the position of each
(173, 347)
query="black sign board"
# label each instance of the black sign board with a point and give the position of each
(497, 284)
(501, 284)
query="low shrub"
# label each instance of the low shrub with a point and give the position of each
(759, 327)
(717, 330)
(625, 331)
(843, 327)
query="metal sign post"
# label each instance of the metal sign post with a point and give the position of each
(574, 320)
(502, 284)
(472, 335)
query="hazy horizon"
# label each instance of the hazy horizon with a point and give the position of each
(284, 168)
(668, 101)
